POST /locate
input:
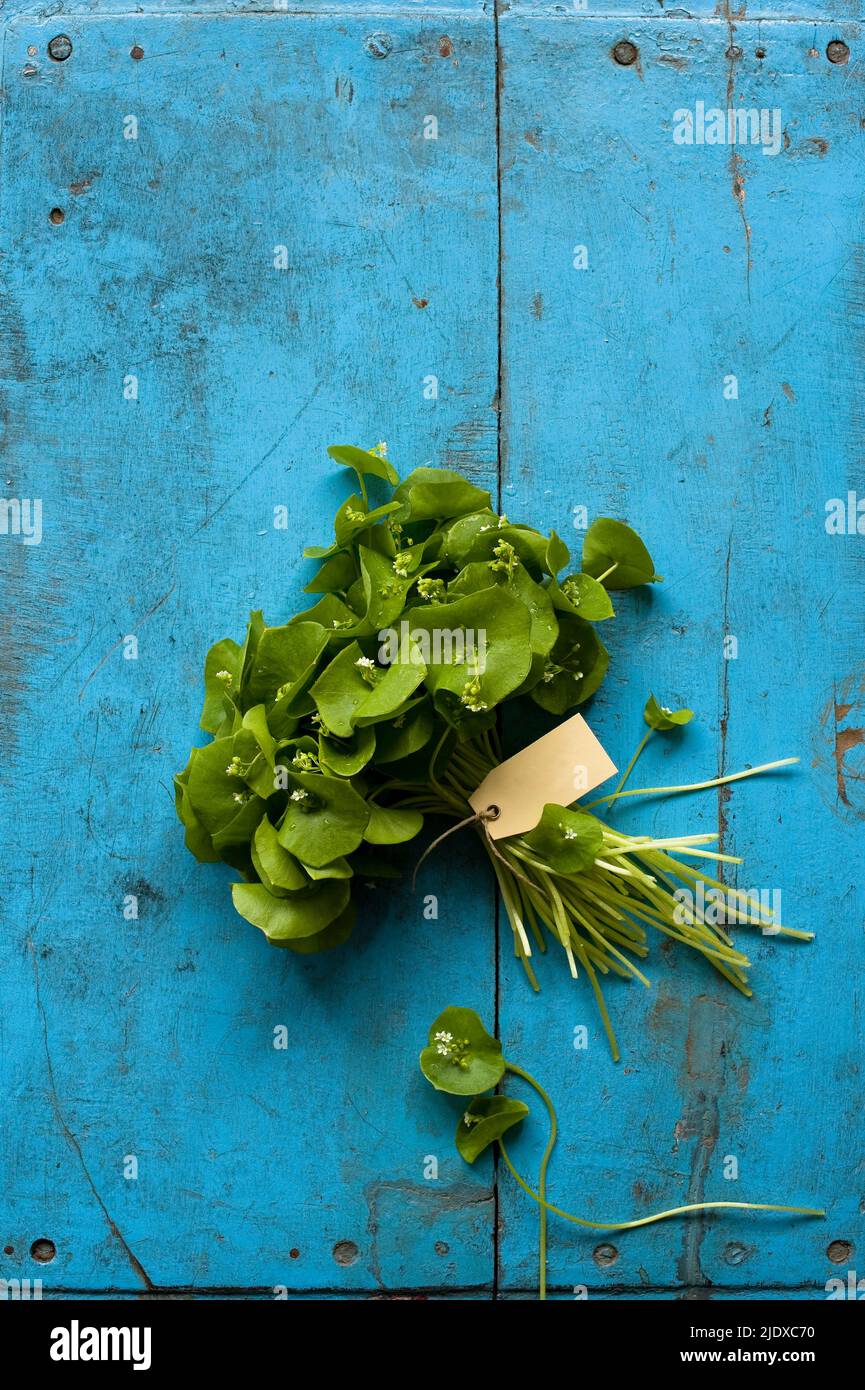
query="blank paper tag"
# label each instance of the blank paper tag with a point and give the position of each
(560, 767)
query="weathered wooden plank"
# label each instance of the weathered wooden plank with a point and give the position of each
(702, 262)
(153, 1038)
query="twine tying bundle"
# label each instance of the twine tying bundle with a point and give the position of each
(478, 818)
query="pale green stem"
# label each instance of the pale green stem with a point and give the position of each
(542, 1175)
(658, 1216)
(694, 786)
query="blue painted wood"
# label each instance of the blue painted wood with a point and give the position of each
(153, 1038)
(701, 265)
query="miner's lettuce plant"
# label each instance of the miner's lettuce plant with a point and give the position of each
(328, 744)
(462, 1059)
(336, 734)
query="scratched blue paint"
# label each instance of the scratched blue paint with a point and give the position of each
(154, 1038)
(158, 519)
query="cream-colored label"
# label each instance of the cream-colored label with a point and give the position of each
(560, 767)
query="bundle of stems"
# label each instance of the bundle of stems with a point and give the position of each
(599, 917)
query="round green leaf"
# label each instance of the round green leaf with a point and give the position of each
(576, 666)
(364, 463)
(568, 841)
(461, 1057)
(450, 636)
(583, 596)
(557, 555)
(324, 819)
(436, 494)
(347, 756)
(278, 870)
(485, 1120)
(662, 719)
(287, 919)
(334, 934)
(611, 543)
(388, 826)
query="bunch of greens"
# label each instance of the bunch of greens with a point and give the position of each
(462, 1059)
(335, 733)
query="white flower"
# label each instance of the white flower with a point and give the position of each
(299, 795)
(225, 676)
(365, 663)
(570, 834)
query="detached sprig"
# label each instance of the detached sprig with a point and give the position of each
(462, 1059)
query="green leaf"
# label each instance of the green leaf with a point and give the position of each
(568, 841)
(364, 463)
(334, 934)
(610, 543)
(387, 697)
(197, 840)
(583, 596)
(436, 494)
(223, 656)
(337, 574)
(288, 919)
(392, 826)
(660, 718)
(486, 1120)
(384, 589)
(405, 735)
(477, 576)
(576, 667)
(347, 756)
(325, 823)
(341, 690)
(338, 868)
(461, 1057)
(278, 870)
(353, 517)
(475, 538)
(483, 638)
(557, 555)
(254, 630)
(217, 797)
(345, 699)
(255, 720)
(286, 657)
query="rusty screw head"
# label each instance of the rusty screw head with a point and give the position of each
(625, 53)
(733, 53)
(60, 48)
(837, 51)
(605, 1255)
(378, 45)
(136, 52)
(56, 216)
